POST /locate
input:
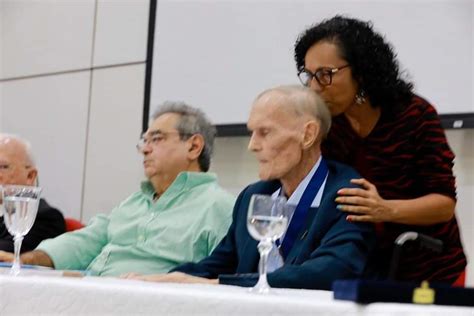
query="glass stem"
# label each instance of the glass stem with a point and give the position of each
(16, 260)
(264, 248)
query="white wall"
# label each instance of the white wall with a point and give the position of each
(241, 47)
(237, 168)
(72, 82)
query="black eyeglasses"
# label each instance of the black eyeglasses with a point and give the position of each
(323, 75)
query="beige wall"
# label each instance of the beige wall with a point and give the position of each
(72, 82)
(237, 168)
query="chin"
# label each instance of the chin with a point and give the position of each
(335, 112)
(266, 175)
(148, 173)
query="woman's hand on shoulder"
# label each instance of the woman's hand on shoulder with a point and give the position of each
(364, 204)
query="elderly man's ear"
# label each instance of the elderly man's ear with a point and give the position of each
(310, 134)
(31, 176)
(195, 147)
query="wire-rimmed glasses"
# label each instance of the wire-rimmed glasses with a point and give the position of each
(154, 138)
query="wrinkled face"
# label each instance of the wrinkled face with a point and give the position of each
(340, 94)
(276, 137)
(14, 166)
(164, 152)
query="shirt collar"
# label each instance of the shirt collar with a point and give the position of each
(184, 181)
(296, 196)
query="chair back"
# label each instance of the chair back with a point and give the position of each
(72, 224)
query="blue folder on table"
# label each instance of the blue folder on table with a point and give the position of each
(370, 291)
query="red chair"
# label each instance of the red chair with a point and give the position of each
(72, 224)
(461, 281)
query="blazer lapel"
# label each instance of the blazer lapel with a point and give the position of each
(302, 235)
(310, 225)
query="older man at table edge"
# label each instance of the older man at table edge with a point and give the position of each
(17, 167)
(288, 124)
(179, 215)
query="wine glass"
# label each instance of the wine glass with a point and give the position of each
(20, 205)
(267, 220)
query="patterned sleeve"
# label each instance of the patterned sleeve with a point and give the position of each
(434, 156)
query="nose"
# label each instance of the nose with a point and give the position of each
(146, 148)
(253, 144)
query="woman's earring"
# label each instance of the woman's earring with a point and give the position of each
(360, 97)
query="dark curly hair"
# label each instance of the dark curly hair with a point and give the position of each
(372, 60)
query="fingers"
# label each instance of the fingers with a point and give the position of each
(72, 274)
(6, 256)
(130, 275)
(354, 209)
(363, 183)
(354, 191)
(352, 200)
(156, 278)
(152, 277)
(361, 218)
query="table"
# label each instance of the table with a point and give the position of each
(50, 294)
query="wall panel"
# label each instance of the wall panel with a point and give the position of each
(41, 37)
(51, 112)
(113, 165)
(121, 31)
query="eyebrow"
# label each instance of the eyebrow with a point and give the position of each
(319, 69)
(153, 132)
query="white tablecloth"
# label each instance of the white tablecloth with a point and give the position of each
(52, 295)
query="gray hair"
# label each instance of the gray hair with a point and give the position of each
(192, 121)
(303, 100)
(30, 159)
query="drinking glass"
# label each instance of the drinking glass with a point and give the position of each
(20, 205)
(267, 220)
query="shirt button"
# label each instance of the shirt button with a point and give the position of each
(141, 238)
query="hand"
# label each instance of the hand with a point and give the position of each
(174, 277)
(6, 256)
(365, 203)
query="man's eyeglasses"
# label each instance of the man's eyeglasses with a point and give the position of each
(155, 138)
(323, 75)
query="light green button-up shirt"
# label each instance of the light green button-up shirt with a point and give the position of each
(184, 224)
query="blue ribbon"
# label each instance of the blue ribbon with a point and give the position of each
(299, 216)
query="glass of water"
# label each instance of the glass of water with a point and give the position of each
(20, 205)
(267, 220)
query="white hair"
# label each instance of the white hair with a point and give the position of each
(5, 138)
(304, 100)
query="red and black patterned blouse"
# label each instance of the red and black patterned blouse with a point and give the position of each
(405, 156)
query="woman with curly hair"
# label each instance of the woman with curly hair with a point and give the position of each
(393, 137)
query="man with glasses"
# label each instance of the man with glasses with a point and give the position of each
(179, 215)
(17, 167)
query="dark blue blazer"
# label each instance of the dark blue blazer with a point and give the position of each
(328, 248)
